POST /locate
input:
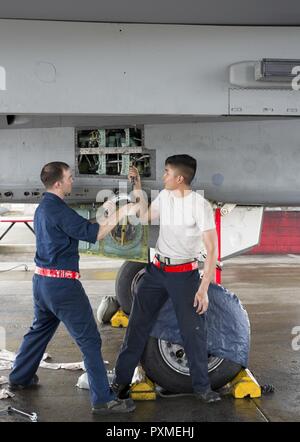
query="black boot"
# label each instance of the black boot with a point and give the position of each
(208, 396)
(32, 384)
(115, 406)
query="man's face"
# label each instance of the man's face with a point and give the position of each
(171, 178)
(66, 182)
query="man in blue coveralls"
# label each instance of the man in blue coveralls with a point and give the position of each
(58, 294)
(185, 219)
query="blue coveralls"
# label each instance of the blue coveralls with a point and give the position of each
(58, 230)
(153, 291)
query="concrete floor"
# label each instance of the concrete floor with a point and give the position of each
(268, 288)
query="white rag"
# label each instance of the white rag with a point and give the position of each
(7, 358)
(5, 394)
(3, 380)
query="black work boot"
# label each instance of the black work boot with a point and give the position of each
(32, 384)
(114, 406)
(208, 396)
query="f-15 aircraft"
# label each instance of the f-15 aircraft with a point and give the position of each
(102, 85)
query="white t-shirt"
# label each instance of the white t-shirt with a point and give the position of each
(182, 222)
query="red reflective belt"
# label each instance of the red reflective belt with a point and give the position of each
(189, 266)
(51, 273)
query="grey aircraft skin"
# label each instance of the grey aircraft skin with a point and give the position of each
(185, 78)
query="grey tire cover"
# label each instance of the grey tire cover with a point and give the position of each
(228, 326)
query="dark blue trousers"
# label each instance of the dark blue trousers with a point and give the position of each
(62, 300)
(152, 293)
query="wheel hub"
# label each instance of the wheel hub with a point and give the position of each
(174, 356)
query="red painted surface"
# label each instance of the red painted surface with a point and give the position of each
(280, 233)
(218, 228)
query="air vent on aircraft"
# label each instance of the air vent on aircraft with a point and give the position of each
(275, 69)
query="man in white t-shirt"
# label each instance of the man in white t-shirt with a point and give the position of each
(186, 222)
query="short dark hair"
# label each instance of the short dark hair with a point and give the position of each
(186, 164)
(53, 172)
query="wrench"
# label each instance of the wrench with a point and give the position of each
(33, 416)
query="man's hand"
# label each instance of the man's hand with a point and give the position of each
(201, 301)
(134, 176)
(128, 210)
(141, 209)
(109, 208)
(105, 212)
(108, 223)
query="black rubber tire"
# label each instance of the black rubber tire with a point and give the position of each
(160, 373)
(124, 279)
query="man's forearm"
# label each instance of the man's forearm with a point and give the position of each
(209, 269)
(104, 229)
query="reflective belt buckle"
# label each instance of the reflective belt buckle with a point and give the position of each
(166, 261)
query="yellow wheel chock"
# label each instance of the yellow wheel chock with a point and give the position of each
(245, 384)
(143, 391)
(119, 319)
